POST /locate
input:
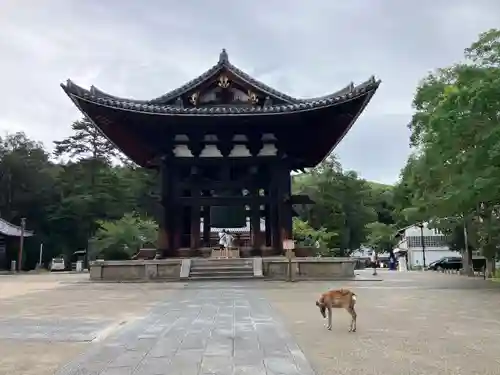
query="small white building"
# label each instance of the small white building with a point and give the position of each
(410, 240)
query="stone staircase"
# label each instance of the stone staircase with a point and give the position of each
(224, 269)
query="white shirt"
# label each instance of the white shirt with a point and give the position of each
(222, 238)
(374, 256)
(229, 240)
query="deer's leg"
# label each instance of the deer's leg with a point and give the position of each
(329, 326)
(352, 311)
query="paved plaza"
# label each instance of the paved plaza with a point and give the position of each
(409, 323)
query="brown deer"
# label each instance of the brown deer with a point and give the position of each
(338, 299)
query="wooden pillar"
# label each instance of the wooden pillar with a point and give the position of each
(176, 220)
(287, 208)
(174, 212)
(206, 226)
(255, 219)
(195, 213)
(163, 242)
(273, 217)
(267, 219)
(195, 227)
(283, 211)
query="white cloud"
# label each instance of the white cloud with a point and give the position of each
(143, 49)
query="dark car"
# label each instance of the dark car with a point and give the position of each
(446, 263)
(455, 263)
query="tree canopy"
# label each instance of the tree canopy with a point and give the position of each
(453, 176)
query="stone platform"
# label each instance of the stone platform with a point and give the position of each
(274, 268)
(203, 332)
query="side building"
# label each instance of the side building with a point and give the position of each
(9, 243)
(434, 245)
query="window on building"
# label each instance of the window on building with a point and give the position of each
(429, 241)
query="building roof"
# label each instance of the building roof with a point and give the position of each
(222, 65)
(139, 127)
(76, 92)
(165, 104)
(11, 230)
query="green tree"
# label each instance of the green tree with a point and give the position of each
(120, 239)
(28, 188)
(303, 233)
(342, 204)
(455, 129)
(382, 201)
(381, 237)
(92, 188)
(87, 142)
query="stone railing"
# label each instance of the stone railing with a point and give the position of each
(309, 268)
(274, 268)
(136, 270)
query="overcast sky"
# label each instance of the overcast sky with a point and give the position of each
(141, 49)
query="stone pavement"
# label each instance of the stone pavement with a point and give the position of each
(203, 331)
(65, 330)
(410, 323)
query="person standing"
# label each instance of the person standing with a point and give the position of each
(229, 240)
(392, 260)
(222, 239)
(374, 261)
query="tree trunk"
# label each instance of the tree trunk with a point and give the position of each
(468, 268)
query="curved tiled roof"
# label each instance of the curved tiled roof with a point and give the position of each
(8, 229)
(346, 94)
(350, 87)
(101, 94)
(223, 63)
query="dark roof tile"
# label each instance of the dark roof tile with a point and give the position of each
(158, 105)
(223, 63)
(74, 90)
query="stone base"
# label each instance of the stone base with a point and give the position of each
(274, 268)
(135, 270)
(232, 253)
(205, 252)
(309, 268)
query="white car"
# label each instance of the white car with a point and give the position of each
(57, 264)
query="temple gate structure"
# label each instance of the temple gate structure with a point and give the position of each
(225, 145)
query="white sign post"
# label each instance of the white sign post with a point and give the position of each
(289, 246)
(40, 256)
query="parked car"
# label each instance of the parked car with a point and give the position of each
(455, 263)
(446, 263)
(57, 264)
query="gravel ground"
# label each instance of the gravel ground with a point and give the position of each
(412, 323)
(409, 323)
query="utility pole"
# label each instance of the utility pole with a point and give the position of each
(421, 225)
(467, 261)
(21, 245)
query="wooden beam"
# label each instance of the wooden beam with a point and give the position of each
(221, 201)
(222, 185)
(300, 199)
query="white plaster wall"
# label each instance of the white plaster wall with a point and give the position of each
(415, 256)
(415, 231)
